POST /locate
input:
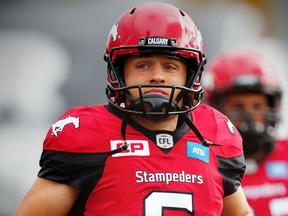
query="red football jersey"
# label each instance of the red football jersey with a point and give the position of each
(161, 172)
(267, 188)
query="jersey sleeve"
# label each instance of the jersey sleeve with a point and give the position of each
(228, 148)
(232, 171)
(75, 169)
(73, 150)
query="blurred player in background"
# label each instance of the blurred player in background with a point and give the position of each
(244, 86)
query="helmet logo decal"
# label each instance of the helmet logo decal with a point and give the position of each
(247, 80)
(114, 32)
(153, 41)
(59, 125)
(157, 41)
(164, 141)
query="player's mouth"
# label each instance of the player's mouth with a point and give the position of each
(156, 91)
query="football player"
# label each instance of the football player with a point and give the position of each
(244, 86)
(152, 149)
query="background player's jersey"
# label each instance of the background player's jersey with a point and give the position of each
(267, 189)
(161, 172)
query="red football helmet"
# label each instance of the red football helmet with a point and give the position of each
(241, 70)
(245, 71)
(154, 28)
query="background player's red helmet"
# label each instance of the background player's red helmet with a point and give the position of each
(154, 28)
(245, 71)
(241, 70)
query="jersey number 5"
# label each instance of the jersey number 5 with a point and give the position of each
(157, 201)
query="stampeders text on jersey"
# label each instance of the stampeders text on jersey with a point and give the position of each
(143, 176)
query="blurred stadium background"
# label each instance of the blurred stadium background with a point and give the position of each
(51, 58)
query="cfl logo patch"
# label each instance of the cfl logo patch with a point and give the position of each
(164, 141)
(135, 148)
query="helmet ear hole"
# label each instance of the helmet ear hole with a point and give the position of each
(193, 73)
(117, 72)
(120, 72)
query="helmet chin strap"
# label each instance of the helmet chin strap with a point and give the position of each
(158, 104)
(157, 107)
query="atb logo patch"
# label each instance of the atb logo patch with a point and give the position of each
(60, 124)
(277, 169)
(164, 141)
(198, 151)
(135, 148)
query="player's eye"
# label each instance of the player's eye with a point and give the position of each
(170, 67)
(142, 66)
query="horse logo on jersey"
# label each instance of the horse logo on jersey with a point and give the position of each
(231, 127)
(60, 124)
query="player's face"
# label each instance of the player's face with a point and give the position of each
(154, 69)
(255, 105)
